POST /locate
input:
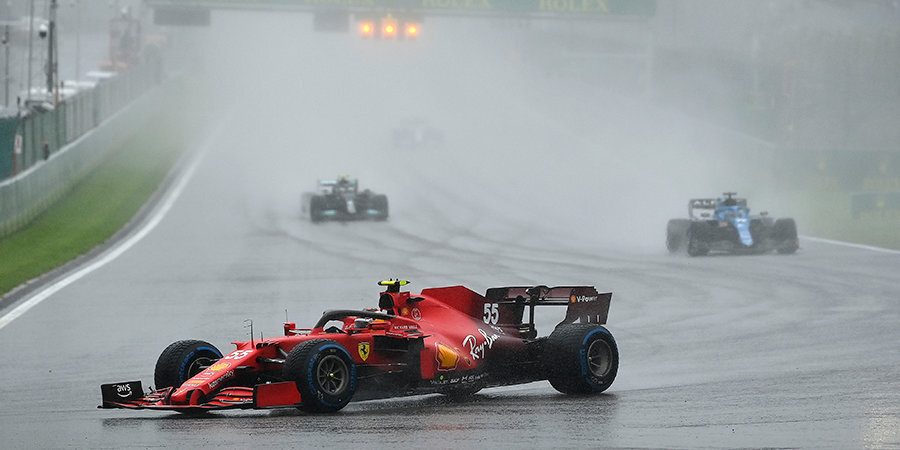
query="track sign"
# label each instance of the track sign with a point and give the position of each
(331, 20)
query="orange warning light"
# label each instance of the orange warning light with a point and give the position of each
(366, 28)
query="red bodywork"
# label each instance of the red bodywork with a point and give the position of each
(441, 339)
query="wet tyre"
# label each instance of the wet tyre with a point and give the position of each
(581, 358)
(785, 234)
(182, 360)
(697, 236)
(676, 234)
(325, 375)
(316, 206)
(380, 203)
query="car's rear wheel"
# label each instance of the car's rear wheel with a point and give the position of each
(324, 372)
(182, 360)
(581, 358)
(697, 236)
(380, 203)
(676, 232)
(785, 235)
(316, 206)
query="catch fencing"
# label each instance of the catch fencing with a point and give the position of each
(46, 150)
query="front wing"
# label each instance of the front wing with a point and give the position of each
(130, 395)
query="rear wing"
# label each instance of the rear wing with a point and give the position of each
(705, 208)
(326, 186)
(329, 183)
(702, 208)
(583, 303)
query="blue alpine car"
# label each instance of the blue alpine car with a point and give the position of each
(726, 225)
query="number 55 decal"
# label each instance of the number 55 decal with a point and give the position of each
(491, 313)
(237, 354)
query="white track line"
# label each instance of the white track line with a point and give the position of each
(118, 249)
(850, 244)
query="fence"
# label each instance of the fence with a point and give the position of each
(44, 153)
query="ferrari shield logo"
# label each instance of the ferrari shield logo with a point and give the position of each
(364, 349)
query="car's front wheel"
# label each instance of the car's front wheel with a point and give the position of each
(581, 358)
(324, 372)
(182, 360)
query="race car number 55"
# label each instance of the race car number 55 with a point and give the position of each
(237, 354)
(491, 313)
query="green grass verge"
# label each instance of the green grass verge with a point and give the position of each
(97, 207)
(827, 214)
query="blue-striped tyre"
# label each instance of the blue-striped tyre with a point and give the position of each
(581, 358)
(325, 375)
(182, 360)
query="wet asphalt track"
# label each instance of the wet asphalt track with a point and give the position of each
(537, 183)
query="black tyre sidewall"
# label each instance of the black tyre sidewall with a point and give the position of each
(602, 383)
(315, 208)
(785, 234)
(697, 237)
(300, 366)
(565, 359)
(174, 365)
(380, 202)
(676, 232)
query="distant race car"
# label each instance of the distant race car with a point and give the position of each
(725, 224)
(447, 340)
(342, 200)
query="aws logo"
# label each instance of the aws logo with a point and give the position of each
(124, 390)
(218, 367)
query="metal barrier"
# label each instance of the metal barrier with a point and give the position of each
(44, 154)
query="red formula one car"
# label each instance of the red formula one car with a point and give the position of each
(447, 340)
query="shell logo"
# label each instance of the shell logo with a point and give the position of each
(218, 367)
(446, 357)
